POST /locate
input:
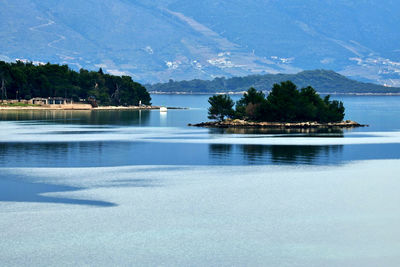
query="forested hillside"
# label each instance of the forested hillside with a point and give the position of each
(322, 80)
(26, 80)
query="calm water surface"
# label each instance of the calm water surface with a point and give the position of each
(143, 188)
(117, 138)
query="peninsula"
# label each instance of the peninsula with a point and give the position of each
(285, 107)
(52, 86)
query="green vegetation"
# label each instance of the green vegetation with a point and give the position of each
(323, 81)
(285, 103)
(25, 81)
(17, 105)
(221, 107)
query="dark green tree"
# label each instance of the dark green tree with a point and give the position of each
(309, 105)
(221, 107)
(251, 105)
(282, 102)
(333, 111)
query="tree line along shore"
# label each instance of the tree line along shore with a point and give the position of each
(323, 81)
(25, 81)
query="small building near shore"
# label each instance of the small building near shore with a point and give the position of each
(38, 101)
(50, 101)
(58, 101)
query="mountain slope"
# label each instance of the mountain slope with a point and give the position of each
(322, 80)
(162, 39)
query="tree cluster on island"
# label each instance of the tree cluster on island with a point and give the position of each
(26, 81)
(285, 103)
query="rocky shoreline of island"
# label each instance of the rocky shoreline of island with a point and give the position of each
(231, 123)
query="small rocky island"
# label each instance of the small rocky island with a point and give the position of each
(285, 107)
(236, 123)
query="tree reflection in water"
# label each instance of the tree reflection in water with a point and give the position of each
(88, 117)
(278, 154)
(220, 151)
(290, 154)
(331, 132)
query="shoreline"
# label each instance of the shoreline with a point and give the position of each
(83, 107)
(277, 125)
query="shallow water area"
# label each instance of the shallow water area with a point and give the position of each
(143, 188)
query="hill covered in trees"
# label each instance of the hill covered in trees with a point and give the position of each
(323, 81)
(26, 80)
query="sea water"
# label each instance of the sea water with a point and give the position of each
(143, 188)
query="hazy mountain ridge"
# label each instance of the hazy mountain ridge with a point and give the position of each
(158, 40)
(323, 81)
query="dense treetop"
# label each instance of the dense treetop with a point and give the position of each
(220, 106)
(26, 80)
(323, 81)
(285, 103)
